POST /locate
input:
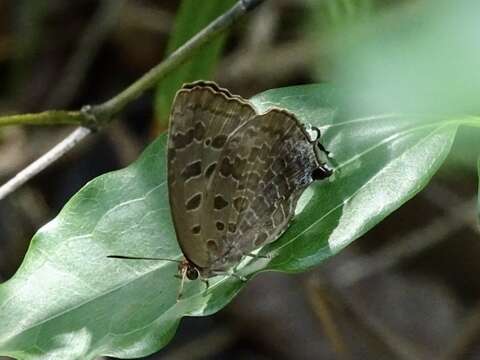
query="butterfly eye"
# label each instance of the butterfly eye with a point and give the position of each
(192, 273)
(321, 172)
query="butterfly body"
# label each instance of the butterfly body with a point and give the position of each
(234, 175)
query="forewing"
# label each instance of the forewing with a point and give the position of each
(202, 117)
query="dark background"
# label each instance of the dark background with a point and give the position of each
(409, 289)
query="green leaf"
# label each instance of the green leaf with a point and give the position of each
(69, 301)
(192, 17)
(463, 157)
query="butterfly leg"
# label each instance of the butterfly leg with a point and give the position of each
(238, 277)
(256, 256)
(207, 284)
(182, 281)
(322, 172)
(232, 274)
(322, 148)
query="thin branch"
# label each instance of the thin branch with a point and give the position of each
(45, 160)
(100, 115)
(51, 117)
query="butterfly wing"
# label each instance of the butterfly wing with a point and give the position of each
(271, 160)
(202, 117)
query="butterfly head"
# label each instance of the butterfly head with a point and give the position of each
(189, 271)
(192, 272)
(322, 172)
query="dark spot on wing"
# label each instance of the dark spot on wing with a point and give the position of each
(219, 141)
(193, 169)
(181, 141)
(220, 225)
(210, 169)
(219, 202)
(226, 167)
(194, 202)
(199, 131)
(232, 227)
(196, 229)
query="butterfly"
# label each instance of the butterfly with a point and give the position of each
(234, 176)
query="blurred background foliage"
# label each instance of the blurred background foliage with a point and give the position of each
(406, 290)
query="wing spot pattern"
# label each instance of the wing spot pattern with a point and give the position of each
(193, 169)
(219, 202)
(194, 202)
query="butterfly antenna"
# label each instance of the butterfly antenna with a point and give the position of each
(141, 258)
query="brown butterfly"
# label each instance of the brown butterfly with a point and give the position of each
(234, 176)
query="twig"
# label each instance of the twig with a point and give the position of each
(51, 117)
(45, 160)
(95, 33)
(100, 115)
